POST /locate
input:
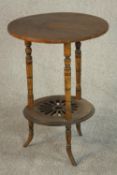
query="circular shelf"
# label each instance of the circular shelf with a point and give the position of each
(51, 111)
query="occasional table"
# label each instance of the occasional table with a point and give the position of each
(60, 28)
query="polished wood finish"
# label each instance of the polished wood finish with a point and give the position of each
(62, 28)
(78, 78)
(58, 27)
(67, 75)
(68, 113)
(29, 73)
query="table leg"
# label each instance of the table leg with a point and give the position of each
(78, 127)
(29, 73)
(30, 136)
(68, 114)
(78, 78)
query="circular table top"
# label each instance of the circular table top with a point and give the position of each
(57, 27)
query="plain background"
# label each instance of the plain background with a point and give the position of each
(96, 151)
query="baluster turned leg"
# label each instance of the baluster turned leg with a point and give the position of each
(29, 72)
(68, 114)
(78, 79)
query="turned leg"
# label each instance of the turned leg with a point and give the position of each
(29, 73)
(78, 78)
(68, 114)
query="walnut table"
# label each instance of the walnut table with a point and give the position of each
(59, 28)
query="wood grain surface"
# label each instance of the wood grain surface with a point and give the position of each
(58, 27)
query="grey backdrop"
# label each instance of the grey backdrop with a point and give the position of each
(96, 151)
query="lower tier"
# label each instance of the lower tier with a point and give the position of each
(51, 111)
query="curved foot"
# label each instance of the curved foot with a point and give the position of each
(70, 155)
(78, 127)
(30, 136)
(68, 145)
